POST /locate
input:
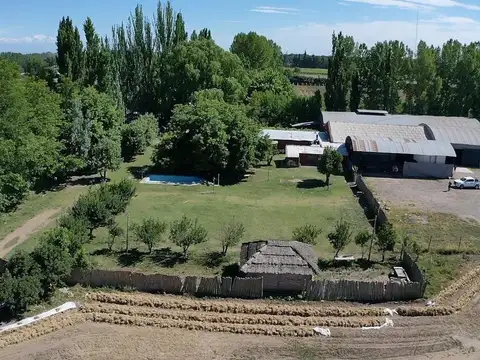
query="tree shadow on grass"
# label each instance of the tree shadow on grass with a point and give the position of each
(139, 172)
(102, 252)
(311, 184)
(212, 259)
(130, 258)
(165, 257)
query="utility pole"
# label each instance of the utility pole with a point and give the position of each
(373, 233)
(127, 234)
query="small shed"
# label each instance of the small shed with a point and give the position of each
(285, 266)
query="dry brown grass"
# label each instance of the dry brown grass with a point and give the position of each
(233, 307)
(40, 328)
(205, 317)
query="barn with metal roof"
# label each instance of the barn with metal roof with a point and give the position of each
(462, 133)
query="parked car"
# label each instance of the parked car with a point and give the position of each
(467, 183)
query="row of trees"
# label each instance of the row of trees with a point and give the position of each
(32, 277)
(389, 76)
(305, 61)
(384, 238)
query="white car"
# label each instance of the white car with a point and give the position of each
(467, 183)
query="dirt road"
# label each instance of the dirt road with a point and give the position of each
(33, 225)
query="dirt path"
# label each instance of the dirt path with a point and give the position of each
(21, 234)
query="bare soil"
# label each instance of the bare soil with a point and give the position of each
(117, 326)
(427, 196)
(21, 234)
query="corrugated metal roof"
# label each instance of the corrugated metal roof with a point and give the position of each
(461, 135)
(412, 120)
(339, 131)
(293, 135)
(294, 151)
(456, 130)
(387, 146)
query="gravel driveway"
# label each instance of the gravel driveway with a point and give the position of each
(428, 195)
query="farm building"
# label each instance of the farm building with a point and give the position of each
(462, 133)
(403, 149)
(308, 155)
(285, 266)
(294, 137)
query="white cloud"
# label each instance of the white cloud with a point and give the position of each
(274, 10)
(418, 4)
(395, 3)
(316, 37)
(343, 3)
(37, 38)
(446, 3)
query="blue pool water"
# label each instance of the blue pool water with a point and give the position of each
(175, 179)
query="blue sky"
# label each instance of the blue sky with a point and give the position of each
(31, 25)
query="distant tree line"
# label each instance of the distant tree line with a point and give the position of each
(442, 81)
(306, 61)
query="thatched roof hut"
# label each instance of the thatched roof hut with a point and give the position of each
(284, 265)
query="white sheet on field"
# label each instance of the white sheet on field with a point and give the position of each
(390, 312)
(64, 307)
(388, 323)
(322, 331)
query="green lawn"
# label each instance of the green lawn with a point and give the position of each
(313, 71)
(270, 204)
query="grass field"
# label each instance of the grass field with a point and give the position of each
(313, 71)
(308, 90)
(271, 203)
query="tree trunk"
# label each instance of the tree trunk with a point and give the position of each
(383, 256)
(328, 180)
(91, 233)
(185, 250)
(224, 250)
(336, 254)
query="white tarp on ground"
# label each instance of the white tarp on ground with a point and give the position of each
(322, 331)
(67, 306)
(388, 323)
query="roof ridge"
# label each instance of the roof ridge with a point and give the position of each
(313, 266)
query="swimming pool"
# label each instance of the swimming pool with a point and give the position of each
(174, 180)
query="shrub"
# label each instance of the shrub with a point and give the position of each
(150, 232)
(18, 293)
(307, 234)
(362, 239)
(330, 163)
(114, 232)
(55, 259)
(386, 239)
(231, 235)
(341, 236)
(186, 232)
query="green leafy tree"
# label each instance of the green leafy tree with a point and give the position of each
(54, 258)
(106, 155)
(330, 163)
(386, 239)
(13, 189)
(93, 208)
(69, 50)
(205, 34)
(198, 65)
(265, 150)
(187, 232)
(77, 225)
(362, 239)
(114, 232)
(208, 136)
(307, 234)
(341, 236)
(231, 235)
(256, 51)
(150, 232)
(91, 54)
(18, 293)
(339, 72)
